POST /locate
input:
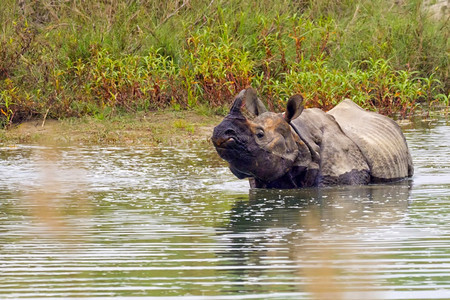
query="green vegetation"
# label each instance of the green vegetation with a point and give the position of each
(73, 58)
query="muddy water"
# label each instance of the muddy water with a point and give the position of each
(174, 223)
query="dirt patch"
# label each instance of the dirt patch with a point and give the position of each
(154, 128)
(438, 9)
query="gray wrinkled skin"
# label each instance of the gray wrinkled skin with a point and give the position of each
(308, 147)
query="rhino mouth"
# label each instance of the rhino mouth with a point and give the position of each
(232, 150)
(226, 143)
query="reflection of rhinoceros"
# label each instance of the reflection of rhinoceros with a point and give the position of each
(301, 148)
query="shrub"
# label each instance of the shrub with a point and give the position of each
(68, 59)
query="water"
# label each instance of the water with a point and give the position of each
(170, 223)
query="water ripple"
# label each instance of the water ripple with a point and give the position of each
(101, 222)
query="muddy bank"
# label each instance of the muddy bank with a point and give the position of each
(156, 128)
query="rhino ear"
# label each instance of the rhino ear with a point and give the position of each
(294, 108)
(252, 103)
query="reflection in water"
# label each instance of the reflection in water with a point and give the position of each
(165, 222)
(316, 235)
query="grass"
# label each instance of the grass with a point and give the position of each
(102, 58)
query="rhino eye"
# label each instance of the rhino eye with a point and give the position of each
(260, 134)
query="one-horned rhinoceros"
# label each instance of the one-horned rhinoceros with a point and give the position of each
(308, 147)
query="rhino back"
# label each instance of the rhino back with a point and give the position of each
(378, 137)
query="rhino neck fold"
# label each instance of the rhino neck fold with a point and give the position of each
(307, 157)
(305, 171)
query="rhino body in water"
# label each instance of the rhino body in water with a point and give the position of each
(308, 147)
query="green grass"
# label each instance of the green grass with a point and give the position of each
(73, 58)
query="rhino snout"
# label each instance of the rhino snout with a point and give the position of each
(224, 139)
(224, 142)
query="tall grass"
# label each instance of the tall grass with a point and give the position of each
(75, 57)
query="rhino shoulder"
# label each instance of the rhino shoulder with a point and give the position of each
(339, 158)
(379, 138)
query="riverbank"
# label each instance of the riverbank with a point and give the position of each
(168, 128)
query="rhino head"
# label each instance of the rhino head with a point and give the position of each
(265, 147)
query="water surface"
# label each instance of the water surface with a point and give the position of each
(99, 222)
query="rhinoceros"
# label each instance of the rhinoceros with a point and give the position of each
(309, 147)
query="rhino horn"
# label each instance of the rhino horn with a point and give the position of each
(237, 104)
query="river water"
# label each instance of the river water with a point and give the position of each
(168, 223)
